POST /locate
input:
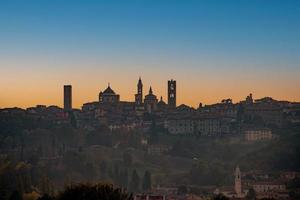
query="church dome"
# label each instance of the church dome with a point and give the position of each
(161, 102)
(150, 95)
(108, 90)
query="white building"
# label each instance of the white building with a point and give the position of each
(180, 126)
(260, 187)
(258, 134)
(204, 125)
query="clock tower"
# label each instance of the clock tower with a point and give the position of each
(172, 93)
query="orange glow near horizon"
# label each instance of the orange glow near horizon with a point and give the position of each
(27, 88)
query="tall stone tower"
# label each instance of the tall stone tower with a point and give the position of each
(139, 95)
(238, 182)
(67, 97)
(172, 93)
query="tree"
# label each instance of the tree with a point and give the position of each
(46, 197)
(182, 190)
(127, 159)
(15, 196)
(124, 177)
(53, 144)
(116, 174)
(220, 197)
(103, 168)
(251, 195)
(89, 171)
(22, 147)
(94, 192)
(135, 181)
(147, 181)
(45, 185)
(199, 173)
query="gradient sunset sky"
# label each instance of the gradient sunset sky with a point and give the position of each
(215, 49)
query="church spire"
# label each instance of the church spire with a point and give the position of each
(140, 84)
(238, 182)
(139, 94)
(150, 90)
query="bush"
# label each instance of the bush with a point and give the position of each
(94, 192)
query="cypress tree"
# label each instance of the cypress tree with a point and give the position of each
(147, 181)
(135, 181)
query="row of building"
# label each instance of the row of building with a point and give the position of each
(206, 120)
(149, 103)
(263, 188)
(255, 118)
(263, 185)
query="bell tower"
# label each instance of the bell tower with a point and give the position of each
(139, 95)
(238, 182)
(172, 93)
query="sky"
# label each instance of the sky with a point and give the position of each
(214, 49)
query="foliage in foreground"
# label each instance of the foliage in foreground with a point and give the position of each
(91, 192)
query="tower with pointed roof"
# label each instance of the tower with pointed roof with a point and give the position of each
(139, 94)
(238, 182)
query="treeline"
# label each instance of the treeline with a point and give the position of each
(215, 159)
(280, 154)
(80, 192)
(23, 178)
(133, 181)
(35, 177)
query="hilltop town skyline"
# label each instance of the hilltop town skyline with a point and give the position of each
(118, 140)
(128, 95)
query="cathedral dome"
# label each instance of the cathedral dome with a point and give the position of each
(108, 96)
(108, 90)
(161, 102)
(150, 95)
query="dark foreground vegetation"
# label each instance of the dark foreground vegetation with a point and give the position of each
(81, 192)
(88, 191)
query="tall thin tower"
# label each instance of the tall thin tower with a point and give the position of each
(67, 97)
(172, 93)
(139, 94)
(238, 182)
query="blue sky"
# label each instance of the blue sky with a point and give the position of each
(194, 28)
(212, 36)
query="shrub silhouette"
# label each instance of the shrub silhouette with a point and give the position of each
(94, 192)
(220, 197)
(46, 197)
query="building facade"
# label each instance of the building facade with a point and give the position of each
(260, 187)
(258, 134)
(180, 126)
(201, 124)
